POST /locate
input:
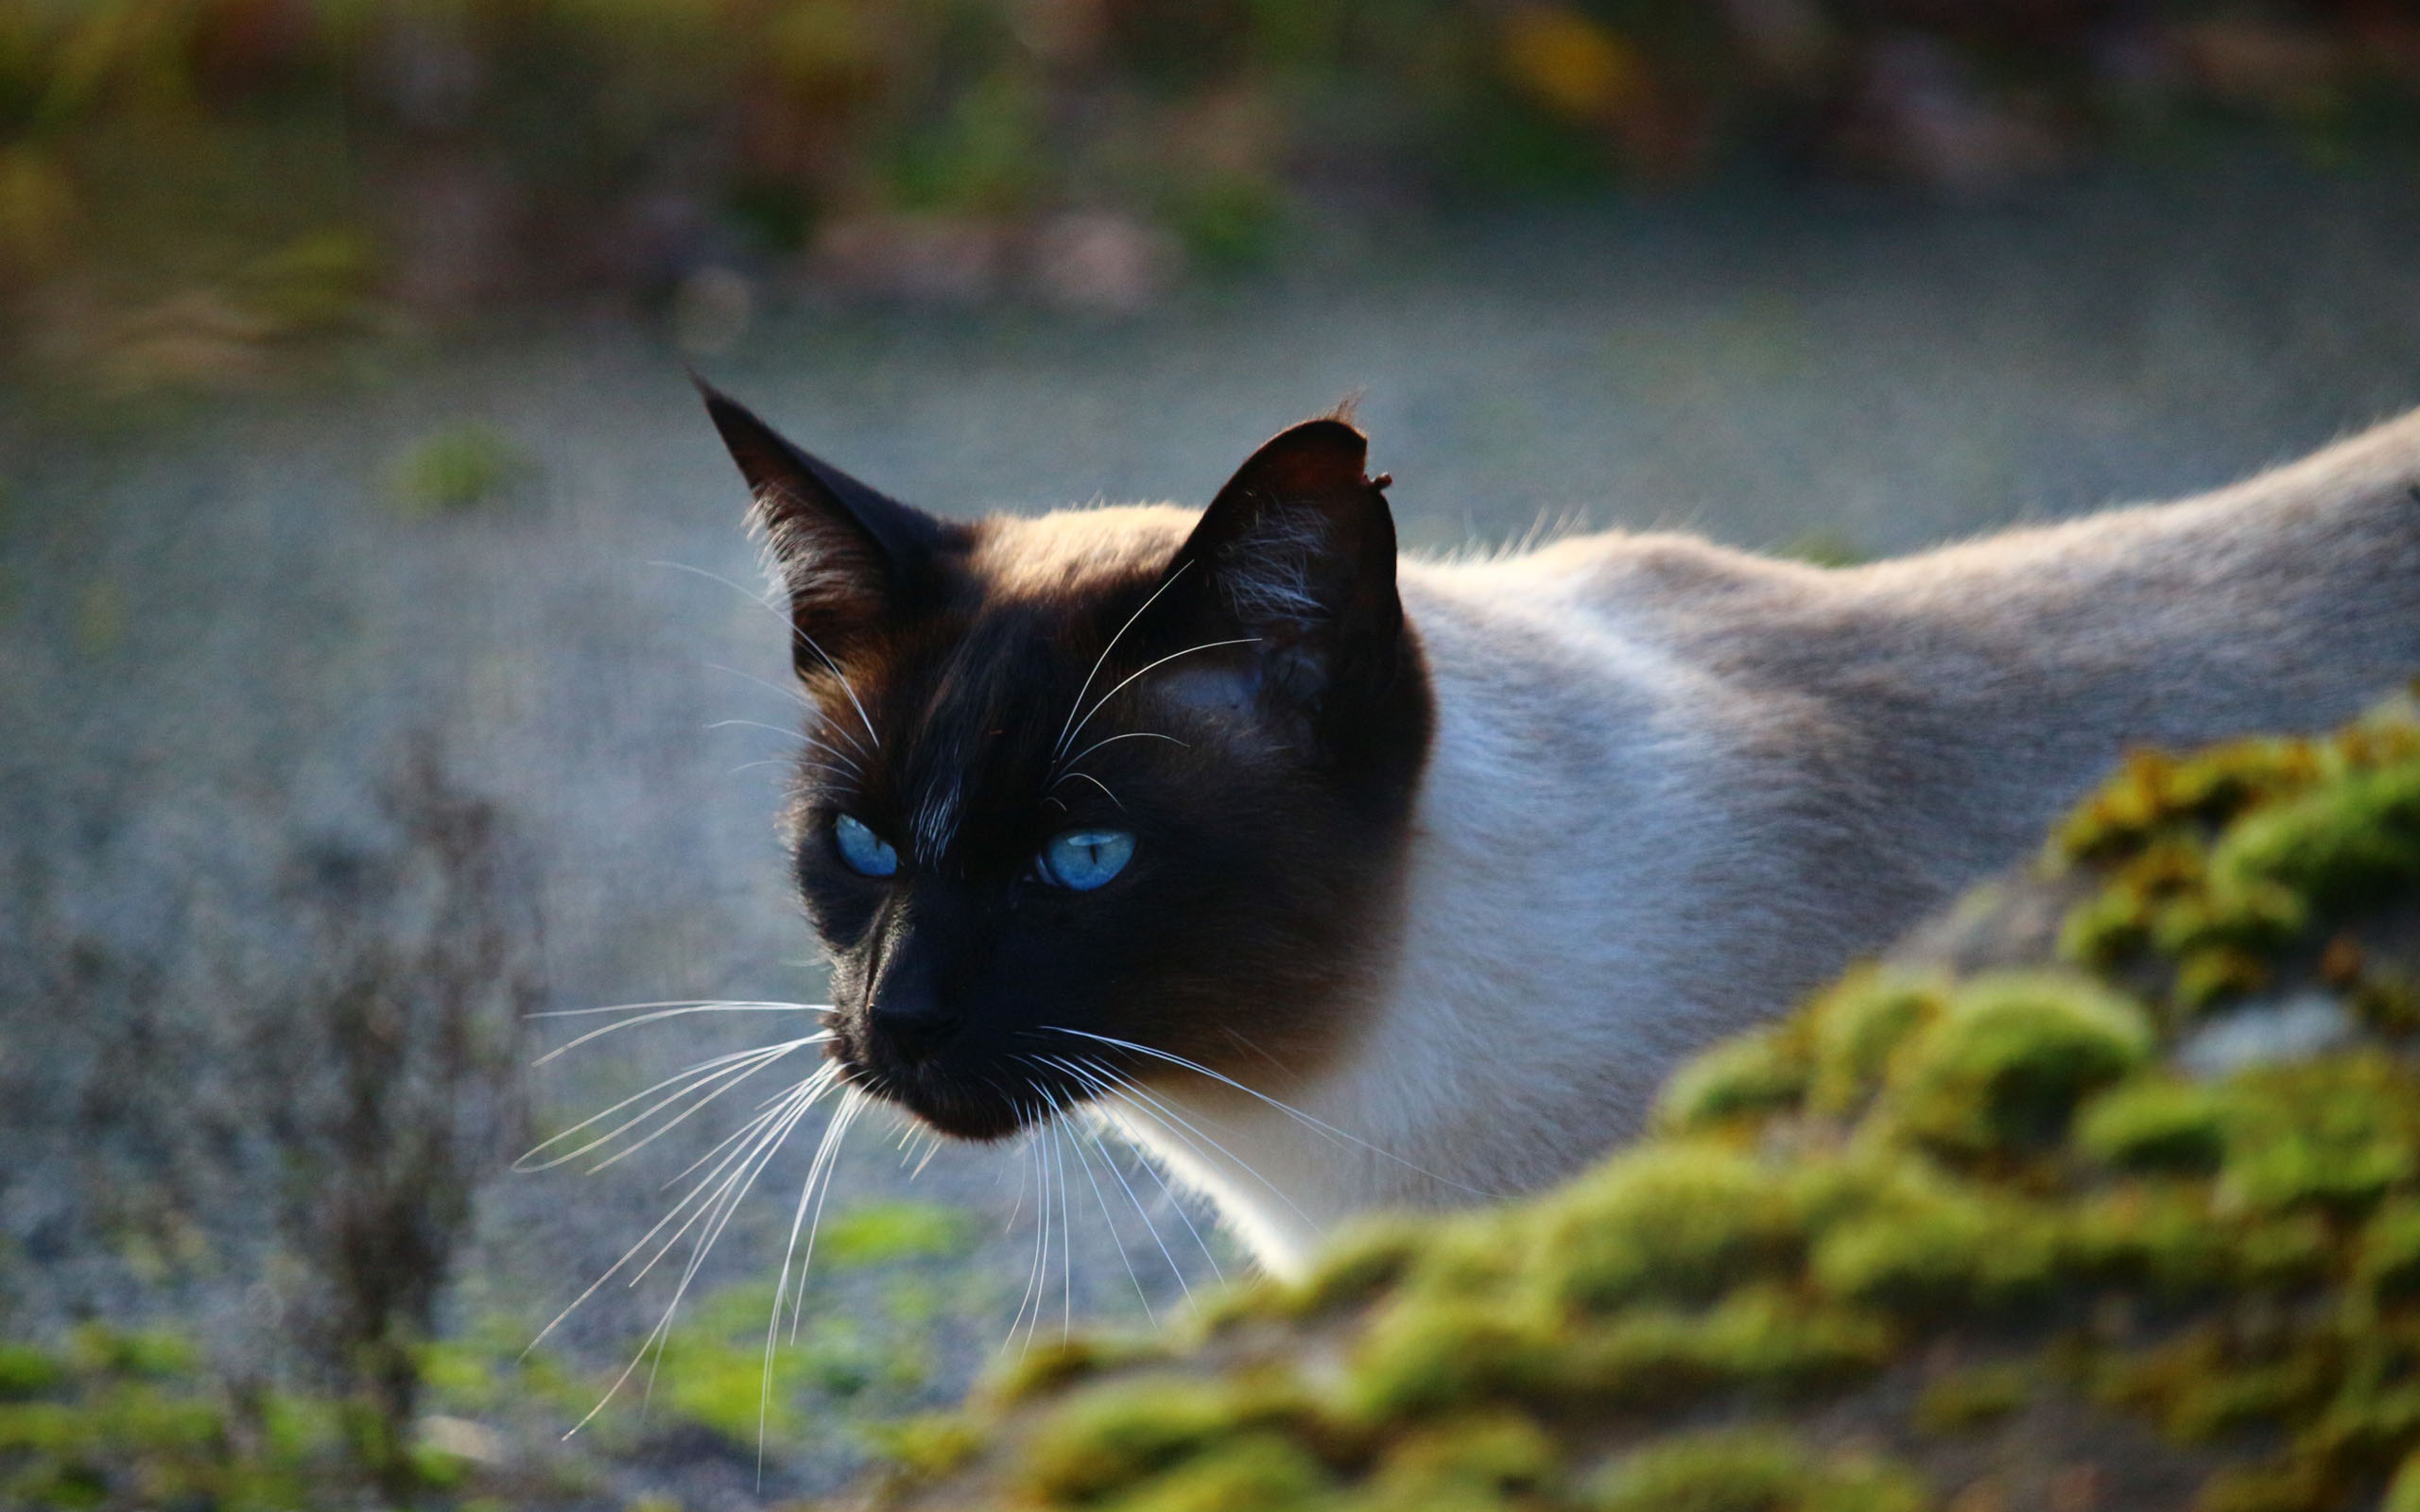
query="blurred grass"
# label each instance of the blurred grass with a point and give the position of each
(189, 187)
(461, 468)
(114, 1417)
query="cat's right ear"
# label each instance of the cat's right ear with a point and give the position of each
(854, 561)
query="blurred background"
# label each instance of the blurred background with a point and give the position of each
(382, 663)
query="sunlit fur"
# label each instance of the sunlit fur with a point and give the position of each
(1590, 806)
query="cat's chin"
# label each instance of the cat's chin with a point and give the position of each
(948, 1109)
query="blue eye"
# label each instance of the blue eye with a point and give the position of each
(1082, 860)
(867, 853)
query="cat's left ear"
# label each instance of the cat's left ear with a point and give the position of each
(855, 562)
(1297, 553)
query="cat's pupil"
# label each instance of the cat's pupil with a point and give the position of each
(1084, 859)
(866, 852)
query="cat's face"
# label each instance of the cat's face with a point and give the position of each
(1093, 790)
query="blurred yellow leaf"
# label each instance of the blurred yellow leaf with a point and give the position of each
(1571, 63)
(38, 206)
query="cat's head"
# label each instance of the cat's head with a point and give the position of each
(1099, 784)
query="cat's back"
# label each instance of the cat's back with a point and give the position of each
(1631, 604)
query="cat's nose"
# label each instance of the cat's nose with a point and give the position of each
(907, 1015)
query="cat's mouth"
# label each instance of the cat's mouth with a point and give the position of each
(981, 1107)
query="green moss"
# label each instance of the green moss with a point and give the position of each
(2119, 919)
(1053, 1363)
(1251, 1472)
(2386, 1001)
(1424, 1355)
(1752, 1472)
(1683, 1221)
(2284, 1252)
(1103, 1438)
(1476, 1255)
(2335, 1133)
(2287, 1487)
(2206, 1382)
(2249, 920)
(2389, 1265)
(1484, 1458)
(1119, 1436)
(2161, 1239)
(1953, 1252)
(1858, 1024)
(2158, 796)
(2403, 1493)
(1365, 1260)
(1754, 1074)
(2218, 973)
(1767, 1341)
(2354, 843)
(2156, 1124)
(2010, 1057)
(929, 1444)
(1974, 1398)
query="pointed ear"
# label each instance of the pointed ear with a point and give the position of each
(852, 559)
(1298, 552)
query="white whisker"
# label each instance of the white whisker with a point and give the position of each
(793, 695)
(1089, 1073)
(769, 1108)
(835, 752)
(818, 1173)
(1101, 1198)
(704, 1185)
(659, 1015)
(827, 1157)
(733, 1191)
(1040, 1273)
(1066, 1239)
(694, 1004)
(686, 1113)
(738, 1064)
(1096, 783)
(1066, 731)
(1206, 645)
(1140, 1099)
(1289, 1110)
(1111, 740)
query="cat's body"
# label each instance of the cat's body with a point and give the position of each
(1627, 794)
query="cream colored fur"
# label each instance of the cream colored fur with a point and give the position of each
(1675, 786)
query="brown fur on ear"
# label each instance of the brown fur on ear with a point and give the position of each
(854, 560)
(1317, 462)
(1296, 556)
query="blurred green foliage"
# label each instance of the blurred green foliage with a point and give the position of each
(105, 1416)
(111, 1418)
(460, 468)
(187, 183)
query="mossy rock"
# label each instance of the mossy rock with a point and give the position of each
(2059, 1205)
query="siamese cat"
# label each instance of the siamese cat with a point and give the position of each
(1343, 880)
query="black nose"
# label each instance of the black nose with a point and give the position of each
(907, 1016)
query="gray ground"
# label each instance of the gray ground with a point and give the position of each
(215, 628)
